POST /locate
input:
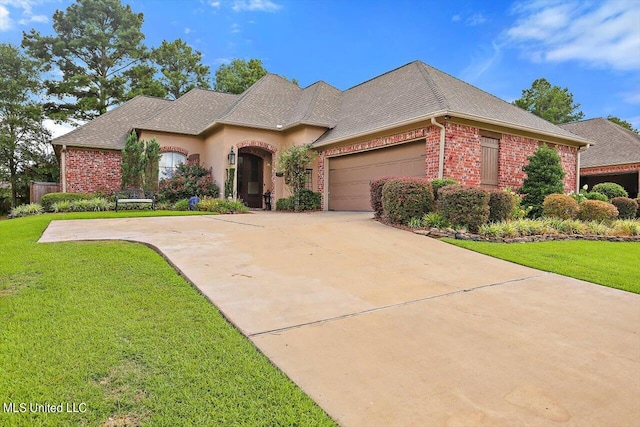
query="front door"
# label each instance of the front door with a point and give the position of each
(250, 171)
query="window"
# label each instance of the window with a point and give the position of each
(168, 163)
(308, 183)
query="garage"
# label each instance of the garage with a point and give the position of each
(349, 175)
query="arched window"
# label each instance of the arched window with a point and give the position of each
(168, 163)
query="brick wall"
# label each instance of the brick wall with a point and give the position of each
(513, 153)
(92, 170)
(462, 153)
(569, 156)
(613, 169)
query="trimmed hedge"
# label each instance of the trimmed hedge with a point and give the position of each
(49, 199)
(307, 200)
(594, 195)
(406, 198)
(464, 206)
(560, 206)
(438, 183)
(284, 204)
(375, 188)
(596, 210)
(610, 189)
(627, 208)
(501, 206)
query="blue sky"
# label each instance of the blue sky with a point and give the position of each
(591, 47)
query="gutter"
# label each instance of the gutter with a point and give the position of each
(441, 155)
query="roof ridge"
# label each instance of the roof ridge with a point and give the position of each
(380, 75)
(312, 101)
(432, 85)
(241, 96)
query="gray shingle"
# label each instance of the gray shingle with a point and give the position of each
(614, 145)
(110, 130)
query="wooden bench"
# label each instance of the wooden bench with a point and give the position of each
(135, 196)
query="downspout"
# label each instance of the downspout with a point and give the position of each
(63, 168)
(578, 168)
(441, 156)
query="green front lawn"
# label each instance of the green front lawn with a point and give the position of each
(612, 264)
(111, 326)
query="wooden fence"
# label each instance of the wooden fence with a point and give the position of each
(39, 189)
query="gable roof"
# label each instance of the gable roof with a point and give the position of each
(409, 94)
(416, 91)
(110, 130)
(615, 145)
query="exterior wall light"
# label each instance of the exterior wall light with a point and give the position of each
(231, 157)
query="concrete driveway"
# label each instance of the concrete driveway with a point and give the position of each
(386, 328)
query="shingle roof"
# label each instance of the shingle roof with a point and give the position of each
(110, 130)
(615, 145)
(417, 90)
(401, 96)
(190, 114)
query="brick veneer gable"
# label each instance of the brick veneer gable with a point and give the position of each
(88, 171)
(611, 169)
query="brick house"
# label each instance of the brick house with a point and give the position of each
(413, 121)
(615, 157)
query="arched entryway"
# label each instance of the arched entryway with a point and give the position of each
(255, 173)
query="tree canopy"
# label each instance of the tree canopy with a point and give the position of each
(95, 43)
(23, 138)
(181, 68)
(552, 103)
(239, 75)
(625, 124)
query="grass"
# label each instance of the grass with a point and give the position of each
(111, 325)
(612, 264)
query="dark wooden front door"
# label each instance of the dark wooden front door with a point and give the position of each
(250, 171)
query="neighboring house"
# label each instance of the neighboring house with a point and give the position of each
(615, 157)
(412, 121)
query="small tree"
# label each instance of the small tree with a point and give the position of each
(544, 177)
(152, 165)
(132, 166)
(293, 164)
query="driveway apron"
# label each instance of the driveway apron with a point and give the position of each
(386, 328)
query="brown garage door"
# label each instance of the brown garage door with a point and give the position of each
(349, 175)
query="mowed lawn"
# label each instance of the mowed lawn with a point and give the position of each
(111, 328)
(612, 264)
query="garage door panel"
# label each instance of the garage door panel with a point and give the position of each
(349, 175)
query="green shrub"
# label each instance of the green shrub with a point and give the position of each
(49, 199)
(594, 195)
(306, 200)
(464, 206)
(596, 210)
(627, 208)
(188, 180)
(501, 205)
(63, 206)
(435, 220)
(25, 210)
(438, 183)
(626, 227)
(284, 204)
(544, 176)
(596, 228)
(406, 198)
(560, 206)
(181, 205)
(415, 223)
(221, 206)
(375, 188)
(97, 204)
(610, 189)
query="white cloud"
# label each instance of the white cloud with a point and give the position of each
(188, 30)
(235, 28)
(41, 19)
(5, 19)
(476, 19)
(479, 66)
(603, 34)
(221, 61)
(255, 6)
(57, 129)
(455, 18)
(215, 4)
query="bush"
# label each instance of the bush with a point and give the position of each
(406, 198)
(560, 206)
(307, 200)
(501, 206)
(25, 210)
(49, 199)
(221, 206)
(464, 206)
(438, 183)
(188, 180)
(181, 205)
(375, 187)
(284, 204)
(5, 200)
(544, 176)
(97, 204)
(596, 210)
(594, 195)
(638, 211)
(435, 220)
(415, 223)
(627, 208)
(610, 189)
(625, 227)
